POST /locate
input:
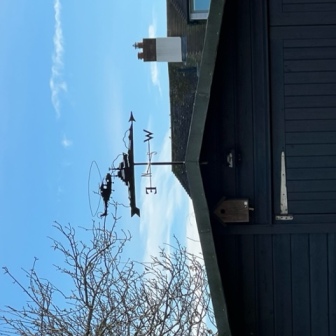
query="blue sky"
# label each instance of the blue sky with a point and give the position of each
(69, 78)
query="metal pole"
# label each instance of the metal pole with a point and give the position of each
(159, 163)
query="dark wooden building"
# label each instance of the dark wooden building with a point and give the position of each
(263, 134)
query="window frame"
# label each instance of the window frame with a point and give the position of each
(197, 14)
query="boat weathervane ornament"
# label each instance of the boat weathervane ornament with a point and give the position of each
(125, 172)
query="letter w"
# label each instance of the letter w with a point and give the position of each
(148, 135)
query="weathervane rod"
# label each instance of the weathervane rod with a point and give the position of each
(159, 163)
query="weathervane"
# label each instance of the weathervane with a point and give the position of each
(148, 173)
(125, 171)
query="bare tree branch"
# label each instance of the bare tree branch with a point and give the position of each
(111, 296)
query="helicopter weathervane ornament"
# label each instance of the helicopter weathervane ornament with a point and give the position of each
(105, 192)
(125, 172)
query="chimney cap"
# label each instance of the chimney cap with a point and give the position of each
(138, 45)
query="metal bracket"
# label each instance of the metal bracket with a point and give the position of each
(284, 218)
(233, 159)
(283, 192)
(230, 159)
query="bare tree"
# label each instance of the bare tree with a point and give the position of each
(112, 296)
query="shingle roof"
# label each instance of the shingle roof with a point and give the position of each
(183, 78)
(181, 7)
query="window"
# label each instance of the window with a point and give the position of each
(199, 9)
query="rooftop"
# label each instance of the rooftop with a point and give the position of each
(183, 78)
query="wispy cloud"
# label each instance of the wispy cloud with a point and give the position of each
(57, 83)
(154, 69)
(158, 210)
(113, 126)
(155, 75)
(152, 28)
(193, 243)
(160, 213)
(66, 143)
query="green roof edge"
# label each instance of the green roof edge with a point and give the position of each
(194, 146)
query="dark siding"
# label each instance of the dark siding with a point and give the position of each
(249, 285)
(283, 311)
(302, 12)
(233, 282)
(239, 122)
(221, 128)
(319, 284)
(279, 285)
(265, 284)
(331, 244)
(300, 285)
(303, 77)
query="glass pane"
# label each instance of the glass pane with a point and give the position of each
(201, 5)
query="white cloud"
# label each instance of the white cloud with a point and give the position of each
(57, 83)
(193, 244)
(112, 99)
(152, 29)
(167, 210)
(155, 75)
(154, 69)
(158, 210)
(66, 143)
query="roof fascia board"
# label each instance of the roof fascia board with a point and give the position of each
(202, 98)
